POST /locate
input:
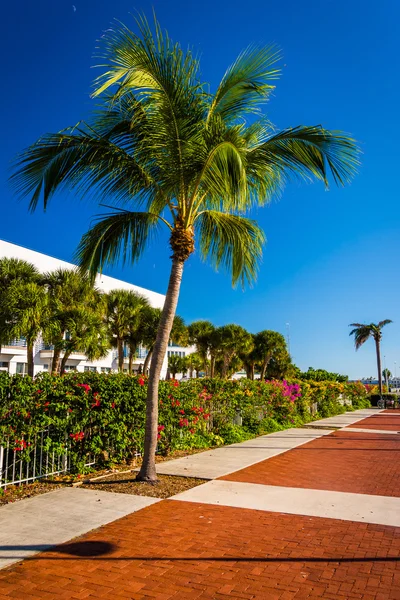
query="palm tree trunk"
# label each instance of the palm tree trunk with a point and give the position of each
(64, 361)
(252, 372)
(120, 350)
(55, 363)
(148, 469)
(378, 360)
(212, 366)
(147, 362)
(29, 353)
(264, 366)
(130, 367)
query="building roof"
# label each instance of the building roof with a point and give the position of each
(45, 263)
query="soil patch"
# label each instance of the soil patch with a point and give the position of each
(13, 493)
(125, 483)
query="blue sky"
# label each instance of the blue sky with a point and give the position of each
(332, 257)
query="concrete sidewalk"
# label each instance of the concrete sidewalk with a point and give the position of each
(35, 524)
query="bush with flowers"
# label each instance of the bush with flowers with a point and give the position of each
(103, 416)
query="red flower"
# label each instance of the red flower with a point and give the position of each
(141, 381)
(191, 430)
(113, 405)
(85, 386)
(182, 412)
(96, 397)
(160, 428)
(38, 391)
(70, 410)
(175, 383)
(77, 436)
(183, 423)
(158, 436)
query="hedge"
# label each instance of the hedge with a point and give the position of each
(104, 414)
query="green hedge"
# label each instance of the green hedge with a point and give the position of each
(103, 415)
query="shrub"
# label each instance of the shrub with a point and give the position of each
(104, 415)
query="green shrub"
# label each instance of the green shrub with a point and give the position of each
(104, 415)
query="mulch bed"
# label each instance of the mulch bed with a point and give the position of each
(125, 483)
(13, 493)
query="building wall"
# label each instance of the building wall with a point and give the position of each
(13, 356)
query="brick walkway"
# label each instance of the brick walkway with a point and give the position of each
(364, 463)
(187, 551)
(389, 420)
(182, 550)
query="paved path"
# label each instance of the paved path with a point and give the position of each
(316, 521)
(32, 525)
(222, 461)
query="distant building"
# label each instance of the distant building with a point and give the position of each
(13, 357)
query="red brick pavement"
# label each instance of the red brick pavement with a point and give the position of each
(364, 463)
(184, 551)
(388, 421)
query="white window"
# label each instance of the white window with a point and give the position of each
(69, 368)
(22, 368)
(91, 369)
(106, 369)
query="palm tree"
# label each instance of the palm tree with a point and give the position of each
(124, 311)
(196, 362)
(200, 333)
(362, 332)
(176, 364)
(151, 324)
(11, 270)
(69, 294)
(232, 342)
(268, 344)
(174, 154)
(87, 333)
(24, 310)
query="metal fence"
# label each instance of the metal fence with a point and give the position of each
(34, 462)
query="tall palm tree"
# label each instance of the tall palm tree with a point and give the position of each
(362, 332)
(171, 153)
(124, 310)
(69, 293)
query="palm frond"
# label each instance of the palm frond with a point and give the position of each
(245, 84)
(361, 333)
(308, 152)
(384, 322)
(231, 241)
(122, 235)
(81, 161)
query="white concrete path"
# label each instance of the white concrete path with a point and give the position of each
(381, 510)
(345, 419)
(33, 525)
(358, 430)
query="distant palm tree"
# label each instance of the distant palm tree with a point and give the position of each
(124, 312)
(25, 313)
(362, 332)
(11, 270)
(70, 293)
(170, 152)
(232, 341)
(200, 333)
(87, 333)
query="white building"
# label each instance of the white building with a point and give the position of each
(13, 357)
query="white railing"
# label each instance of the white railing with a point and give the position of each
(33, 462)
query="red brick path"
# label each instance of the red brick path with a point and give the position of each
(343, 461)
(183, 551)
(391, 422)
